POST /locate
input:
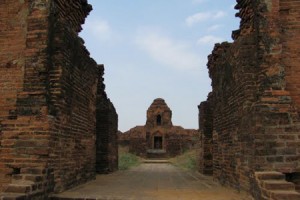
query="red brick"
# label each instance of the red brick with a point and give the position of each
(48, 95)
(255, 100)
(174, 140)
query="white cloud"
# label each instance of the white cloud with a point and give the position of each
(209, 40)
(202, 16)
(214, 27)
(196, 18)
(167, 51)
(219, 15)
(100, 29)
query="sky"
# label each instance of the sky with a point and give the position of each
(157, 49)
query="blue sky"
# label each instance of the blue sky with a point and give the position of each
(157, 49)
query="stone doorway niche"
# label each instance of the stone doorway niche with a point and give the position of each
(157, 142)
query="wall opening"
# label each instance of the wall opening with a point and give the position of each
(158, 142)
(158, 120)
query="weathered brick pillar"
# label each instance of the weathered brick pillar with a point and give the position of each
(73, 80)
(206, 129)
(24, 94)
(106, 131)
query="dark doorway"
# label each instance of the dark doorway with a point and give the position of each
(157, 142)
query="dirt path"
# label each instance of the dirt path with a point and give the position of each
(153, 182)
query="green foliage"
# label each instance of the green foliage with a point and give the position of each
(191, 163)
(187, 160)
(128, 160)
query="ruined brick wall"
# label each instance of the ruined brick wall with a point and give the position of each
(136, 140)
(48, 95)
(289, 39)
(227, 94)
(123, 139)
(106, 132)
(24, 120)
(72, 86)
(278, 105)
(206, 128)
(254, 99)
(179, 140)
(175, 144)
(176, 140)
(138, 146)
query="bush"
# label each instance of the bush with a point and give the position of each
(187, 160)
(128, 160)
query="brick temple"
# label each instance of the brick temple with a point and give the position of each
(159, 137)
(58, 128)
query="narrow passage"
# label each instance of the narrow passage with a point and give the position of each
(152, 181)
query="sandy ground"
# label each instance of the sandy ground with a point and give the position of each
(150, 181)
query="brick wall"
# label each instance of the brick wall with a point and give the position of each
(136, 140)
(289, 42)
(176, 140)
(255, 99)
(73, 85)
(106, 132)
(48, 94)
(179, 140)
(24, 120)
(13, 43)
(206, 128)
(138, 146)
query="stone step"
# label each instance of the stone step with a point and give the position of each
(263, 197)
(12, 196)
(28, 177)
(19, 188)
(270, 175)
(284, 195)
(35, 171)
(34, 178)
(157, 156)
(297, 187)
(22, 181)
(156, 161)
(277, 185)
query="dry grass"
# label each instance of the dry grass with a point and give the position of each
(126, 159)
(187, 160)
